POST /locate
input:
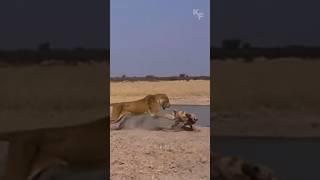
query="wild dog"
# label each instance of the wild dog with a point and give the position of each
(188, 119)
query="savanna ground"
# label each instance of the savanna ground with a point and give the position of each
(158, 154)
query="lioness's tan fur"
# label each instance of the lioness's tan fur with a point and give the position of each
(150, 104)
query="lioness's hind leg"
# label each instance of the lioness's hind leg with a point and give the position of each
(124, 119)
(121, 116)
(121, 124)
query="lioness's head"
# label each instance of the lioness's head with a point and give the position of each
(163, 100)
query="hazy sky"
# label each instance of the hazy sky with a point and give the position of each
(159, 37)
(267, 22)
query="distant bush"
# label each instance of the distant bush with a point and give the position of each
(150, 77)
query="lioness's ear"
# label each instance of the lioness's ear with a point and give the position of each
(188, 115)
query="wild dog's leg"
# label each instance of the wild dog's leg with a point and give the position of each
(20, 157)
(190, 128)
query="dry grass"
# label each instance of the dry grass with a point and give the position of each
(36, 96)
(179, 92)
(285, 84)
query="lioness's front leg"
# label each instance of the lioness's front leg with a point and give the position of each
(165, 116)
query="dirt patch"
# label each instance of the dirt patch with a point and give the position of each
(144, 154)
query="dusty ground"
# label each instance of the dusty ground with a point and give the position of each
(160, 155)
(195, 92)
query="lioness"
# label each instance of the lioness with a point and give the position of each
(150, 104)
(32, 152)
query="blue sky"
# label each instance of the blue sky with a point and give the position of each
(159, 37)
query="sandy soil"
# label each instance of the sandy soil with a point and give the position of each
(195, 92)
(155, 155)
